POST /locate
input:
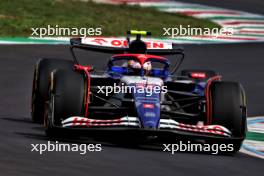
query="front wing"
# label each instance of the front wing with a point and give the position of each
(132, 124)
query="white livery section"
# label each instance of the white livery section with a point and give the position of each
(166, 124)
(122, 42)
(139, 80)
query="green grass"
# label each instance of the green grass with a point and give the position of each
(17, 17)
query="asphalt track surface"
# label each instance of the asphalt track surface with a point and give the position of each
(243, 62)
(253, 6)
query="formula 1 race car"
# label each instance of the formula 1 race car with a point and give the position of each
(139, 91)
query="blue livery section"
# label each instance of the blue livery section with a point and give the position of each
(148, 107)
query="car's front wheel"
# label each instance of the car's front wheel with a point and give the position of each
(40, 84)
(229, 110)
(66, 99)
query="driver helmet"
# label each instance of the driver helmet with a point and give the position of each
(133, 64)
(147, 66)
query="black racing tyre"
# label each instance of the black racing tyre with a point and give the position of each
(40, 84)
(229, 110)
(66, 98)
(209, 73)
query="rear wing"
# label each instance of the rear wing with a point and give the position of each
(119, 46)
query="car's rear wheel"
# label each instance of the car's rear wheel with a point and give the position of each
(40, 84)
(229, 110)
(66, 99)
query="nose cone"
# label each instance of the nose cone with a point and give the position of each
(148, 110)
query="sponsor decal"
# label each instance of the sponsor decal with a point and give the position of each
(122, 43)
(148, 106)
(83, 121)
(213, 129)
(198, 75)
